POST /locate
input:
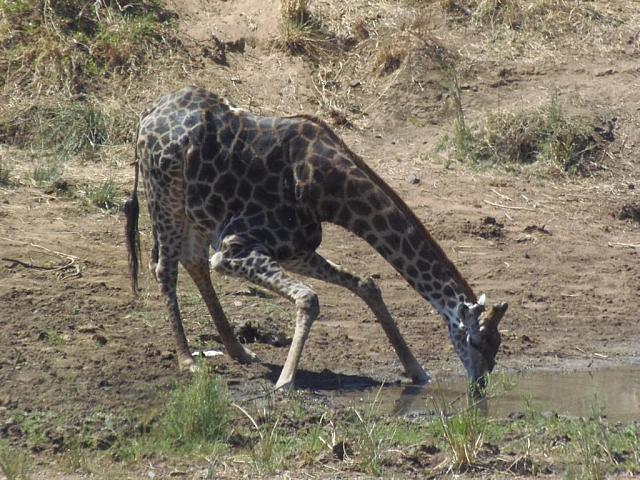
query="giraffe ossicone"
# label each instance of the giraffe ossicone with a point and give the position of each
(257, 189)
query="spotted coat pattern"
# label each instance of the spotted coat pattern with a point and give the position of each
(257, 190)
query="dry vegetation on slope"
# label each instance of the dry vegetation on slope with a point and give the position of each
(511, 127)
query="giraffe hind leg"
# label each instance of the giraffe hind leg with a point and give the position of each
(166, 272)
(262, 270)
(318, 267)
(195, 261)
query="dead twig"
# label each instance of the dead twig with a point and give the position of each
(618, 244)
(509, 207)
(500, 194)
(45, 249)
(37, 267)
(597, 355)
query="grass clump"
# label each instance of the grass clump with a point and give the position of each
(198, 415)
(542, 135)
(15, 464)
(63, 45)
(57, 133)
(304, 33)
(464, 435)
(62, 130)
(390, 57)
(5, 174)
(46, 170)
(550, 18)
(298, 29)
(104, 195)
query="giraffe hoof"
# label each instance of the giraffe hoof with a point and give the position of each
(284, 387)
(420, 378)
(187, 364)
(245, 356)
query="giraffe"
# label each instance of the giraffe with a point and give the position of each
(257, 189)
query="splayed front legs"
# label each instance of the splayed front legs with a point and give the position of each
(250, 263)
(318, 267)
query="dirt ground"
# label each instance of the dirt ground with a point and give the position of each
(563, 251)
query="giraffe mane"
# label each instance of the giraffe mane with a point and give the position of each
(395, 198)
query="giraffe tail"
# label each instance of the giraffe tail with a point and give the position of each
(132, 235)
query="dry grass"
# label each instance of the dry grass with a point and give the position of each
(540, 29)
(65, 45)
(550, 18)
(389, 57)
(544, 135)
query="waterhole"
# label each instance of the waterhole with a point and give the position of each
(612, 392)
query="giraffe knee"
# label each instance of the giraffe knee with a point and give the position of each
(307, 302)
(369, 288)
(216, 262)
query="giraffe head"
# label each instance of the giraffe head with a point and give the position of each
(476, 338)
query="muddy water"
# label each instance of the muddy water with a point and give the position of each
(614, 392)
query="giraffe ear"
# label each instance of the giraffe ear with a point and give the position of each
(481, 300)
(469, 315)
(494, 315)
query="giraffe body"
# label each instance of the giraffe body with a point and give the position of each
(257, 190)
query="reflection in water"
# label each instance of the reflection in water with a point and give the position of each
(612, 392)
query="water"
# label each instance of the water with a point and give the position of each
(614, 392)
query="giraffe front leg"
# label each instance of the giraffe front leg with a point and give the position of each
(308, 310)
(262, 270)
(318, 267)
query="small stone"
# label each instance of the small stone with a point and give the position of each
(413, 179)
(355, 83)
(237, 303)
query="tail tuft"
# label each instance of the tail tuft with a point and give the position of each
(131, 212)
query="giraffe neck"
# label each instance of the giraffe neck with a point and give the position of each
(411, 250)
(374, 212)
(356, 198)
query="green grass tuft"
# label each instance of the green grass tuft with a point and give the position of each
(105, 195)
(46, 170)
(198, 415)
(60, 131)
(464, 434)
(15, 464)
